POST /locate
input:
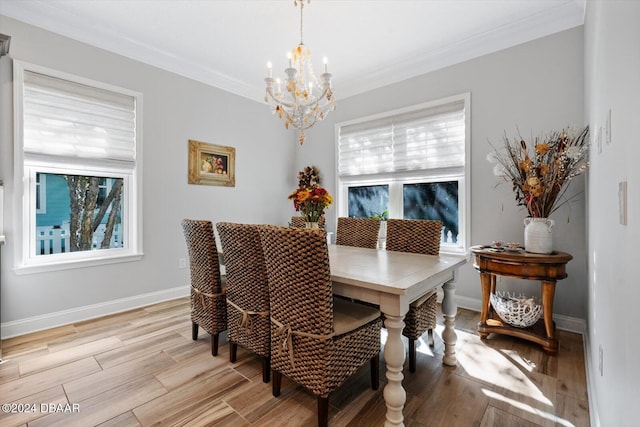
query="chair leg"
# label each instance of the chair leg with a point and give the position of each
(194, 331)
(266, 369)
(412, 355)
(275, 384)
(375, 372)
(214, 344)
(233, 352)
(431, 342)
(323, 411)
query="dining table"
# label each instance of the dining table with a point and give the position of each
(393, 280)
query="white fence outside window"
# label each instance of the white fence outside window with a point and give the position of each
(55, 239)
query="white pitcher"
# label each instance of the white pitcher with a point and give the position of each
(538, 236)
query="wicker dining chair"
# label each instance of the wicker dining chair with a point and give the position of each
(317, 341)
(208, 307)
(361, 232)
(247, 292)
(301, 222)
(422, 237)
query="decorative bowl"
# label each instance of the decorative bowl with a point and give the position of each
(519, 311)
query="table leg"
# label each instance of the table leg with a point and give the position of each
(548, 291)
(394, 394)
(493, 283)
(486, 282)
(449, 310)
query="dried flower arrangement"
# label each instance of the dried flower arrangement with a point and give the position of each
(541, 171)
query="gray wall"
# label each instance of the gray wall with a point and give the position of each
(535, 87)
(612, 82)
(175, 110)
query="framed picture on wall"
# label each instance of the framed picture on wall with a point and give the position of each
(211, 164)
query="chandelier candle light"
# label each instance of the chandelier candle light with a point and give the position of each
(304, 100)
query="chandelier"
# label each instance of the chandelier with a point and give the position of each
(301, 100)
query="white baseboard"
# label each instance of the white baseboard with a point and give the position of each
(564, 323)
(66, 317)
(52, 320)
(592, 370)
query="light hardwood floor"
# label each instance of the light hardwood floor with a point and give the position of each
(142, 368)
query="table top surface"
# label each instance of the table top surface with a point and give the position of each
(520, 256)
(389, 271)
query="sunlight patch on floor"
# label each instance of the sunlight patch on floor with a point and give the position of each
(422, 346)
(526, 364)
(504, 368)
(527, 408)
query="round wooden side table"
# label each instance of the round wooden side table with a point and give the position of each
(521, 265)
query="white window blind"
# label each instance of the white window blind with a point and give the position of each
(71, 120)
(411, 141)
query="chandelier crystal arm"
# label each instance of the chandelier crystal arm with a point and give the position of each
(278, 100)
(271, 96)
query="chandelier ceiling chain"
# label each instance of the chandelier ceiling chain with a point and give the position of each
(301, 7)
(304, 100)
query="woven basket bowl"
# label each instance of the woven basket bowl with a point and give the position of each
(519, 311)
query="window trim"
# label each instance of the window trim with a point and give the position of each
(25, 263)
(398, 178)
(41, 194)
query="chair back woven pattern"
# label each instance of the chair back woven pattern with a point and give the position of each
(301, 298)
(414, 235)
(423, 237)
(247, 287)
(421, 318)
(300, 222)
(208, 306)
(360, 232)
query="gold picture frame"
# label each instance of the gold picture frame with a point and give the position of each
(211, 164)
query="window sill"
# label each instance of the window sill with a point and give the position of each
(76, 263)
(454, 251)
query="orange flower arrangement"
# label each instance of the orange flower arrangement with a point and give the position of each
(310, 198)
(540, 172)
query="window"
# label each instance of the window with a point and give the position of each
(77, 152)
(411, 163)
(366, 201)
(434, 200)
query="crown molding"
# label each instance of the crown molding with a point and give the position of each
(48, 16)
(563, 17)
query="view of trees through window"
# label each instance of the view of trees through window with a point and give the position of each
(369, 200)
(83, 213)
(430, 200)
(433, 200)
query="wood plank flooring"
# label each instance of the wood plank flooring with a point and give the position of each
(141, 368)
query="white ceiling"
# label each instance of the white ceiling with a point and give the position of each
(369, 44)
